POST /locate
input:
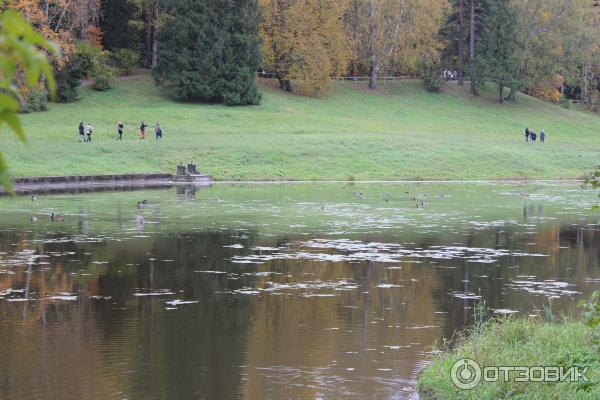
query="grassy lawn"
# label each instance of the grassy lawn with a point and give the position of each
(518, 342)
(400, 132)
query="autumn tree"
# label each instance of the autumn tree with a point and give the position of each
(396, 33)
(304, 43)
(64, 22)
(553, 37)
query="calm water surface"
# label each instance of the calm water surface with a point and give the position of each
(306, 291)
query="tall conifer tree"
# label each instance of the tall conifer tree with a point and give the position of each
(118, 28)
(208, 51)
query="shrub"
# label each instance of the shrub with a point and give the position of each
(86, 58)
(102, 79)
(591, 315)
(431, 77)
(92, 62)
(125, 60)
(35, 100)
(68, 80)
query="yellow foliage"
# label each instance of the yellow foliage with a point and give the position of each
(548, 90)
(304, 41)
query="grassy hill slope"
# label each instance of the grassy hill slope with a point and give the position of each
(400, 132)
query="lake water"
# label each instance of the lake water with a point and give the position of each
(289, 291)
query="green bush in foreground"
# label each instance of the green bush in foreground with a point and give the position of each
(518, 342)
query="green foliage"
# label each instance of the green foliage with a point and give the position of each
(120, 26)
(565, 103)
(68, 81)
(19, 51)
(208, 51)
(497, 43)
(102, 78)
(92, 62)
(125, 60)
(37, 100)
(517, 342)
(431, 77)
(594, 181)
(86, 59)
(591, 314)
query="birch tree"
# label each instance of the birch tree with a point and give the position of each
(397, 32)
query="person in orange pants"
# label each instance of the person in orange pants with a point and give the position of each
(143, 130)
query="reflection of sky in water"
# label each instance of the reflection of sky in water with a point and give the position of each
(274, 291)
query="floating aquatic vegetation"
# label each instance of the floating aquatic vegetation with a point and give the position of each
(504, 311)
(156, 292)
(549, 288)
(64, 297)
(347, 250)
(235, 246)
(211, 272)
(423, 327)
(316, 288)
(465, 295)
(180, 302)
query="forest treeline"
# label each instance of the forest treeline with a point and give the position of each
(211, 50)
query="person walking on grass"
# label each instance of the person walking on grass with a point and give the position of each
(89, 130)
(143, 131)
(542, 136)
(120, 127)
(533, 136)
(526, 134)
(158, 131)
(81, 132)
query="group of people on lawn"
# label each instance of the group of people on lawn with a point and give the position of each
(531, 135)
(86, 130)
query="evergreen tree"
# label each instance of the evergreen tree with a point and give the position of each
(208, 51)
(118, 25)
(497, 43)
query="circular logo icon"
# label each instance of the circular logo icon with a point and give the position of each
(465, 374)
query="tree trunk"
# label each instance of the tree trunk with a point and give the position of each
(149, 32)
(512, 96)
(472, 48)
(373, 77)
(461, 44)
(284, 84)
(501, 92)
(154, 33)
(374, 69)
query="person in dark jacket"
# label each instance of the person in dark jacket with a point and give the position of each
(527, 134)
(120, 127)
(81, 132)
(533, 136)
(158, 131)
(542, 136)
